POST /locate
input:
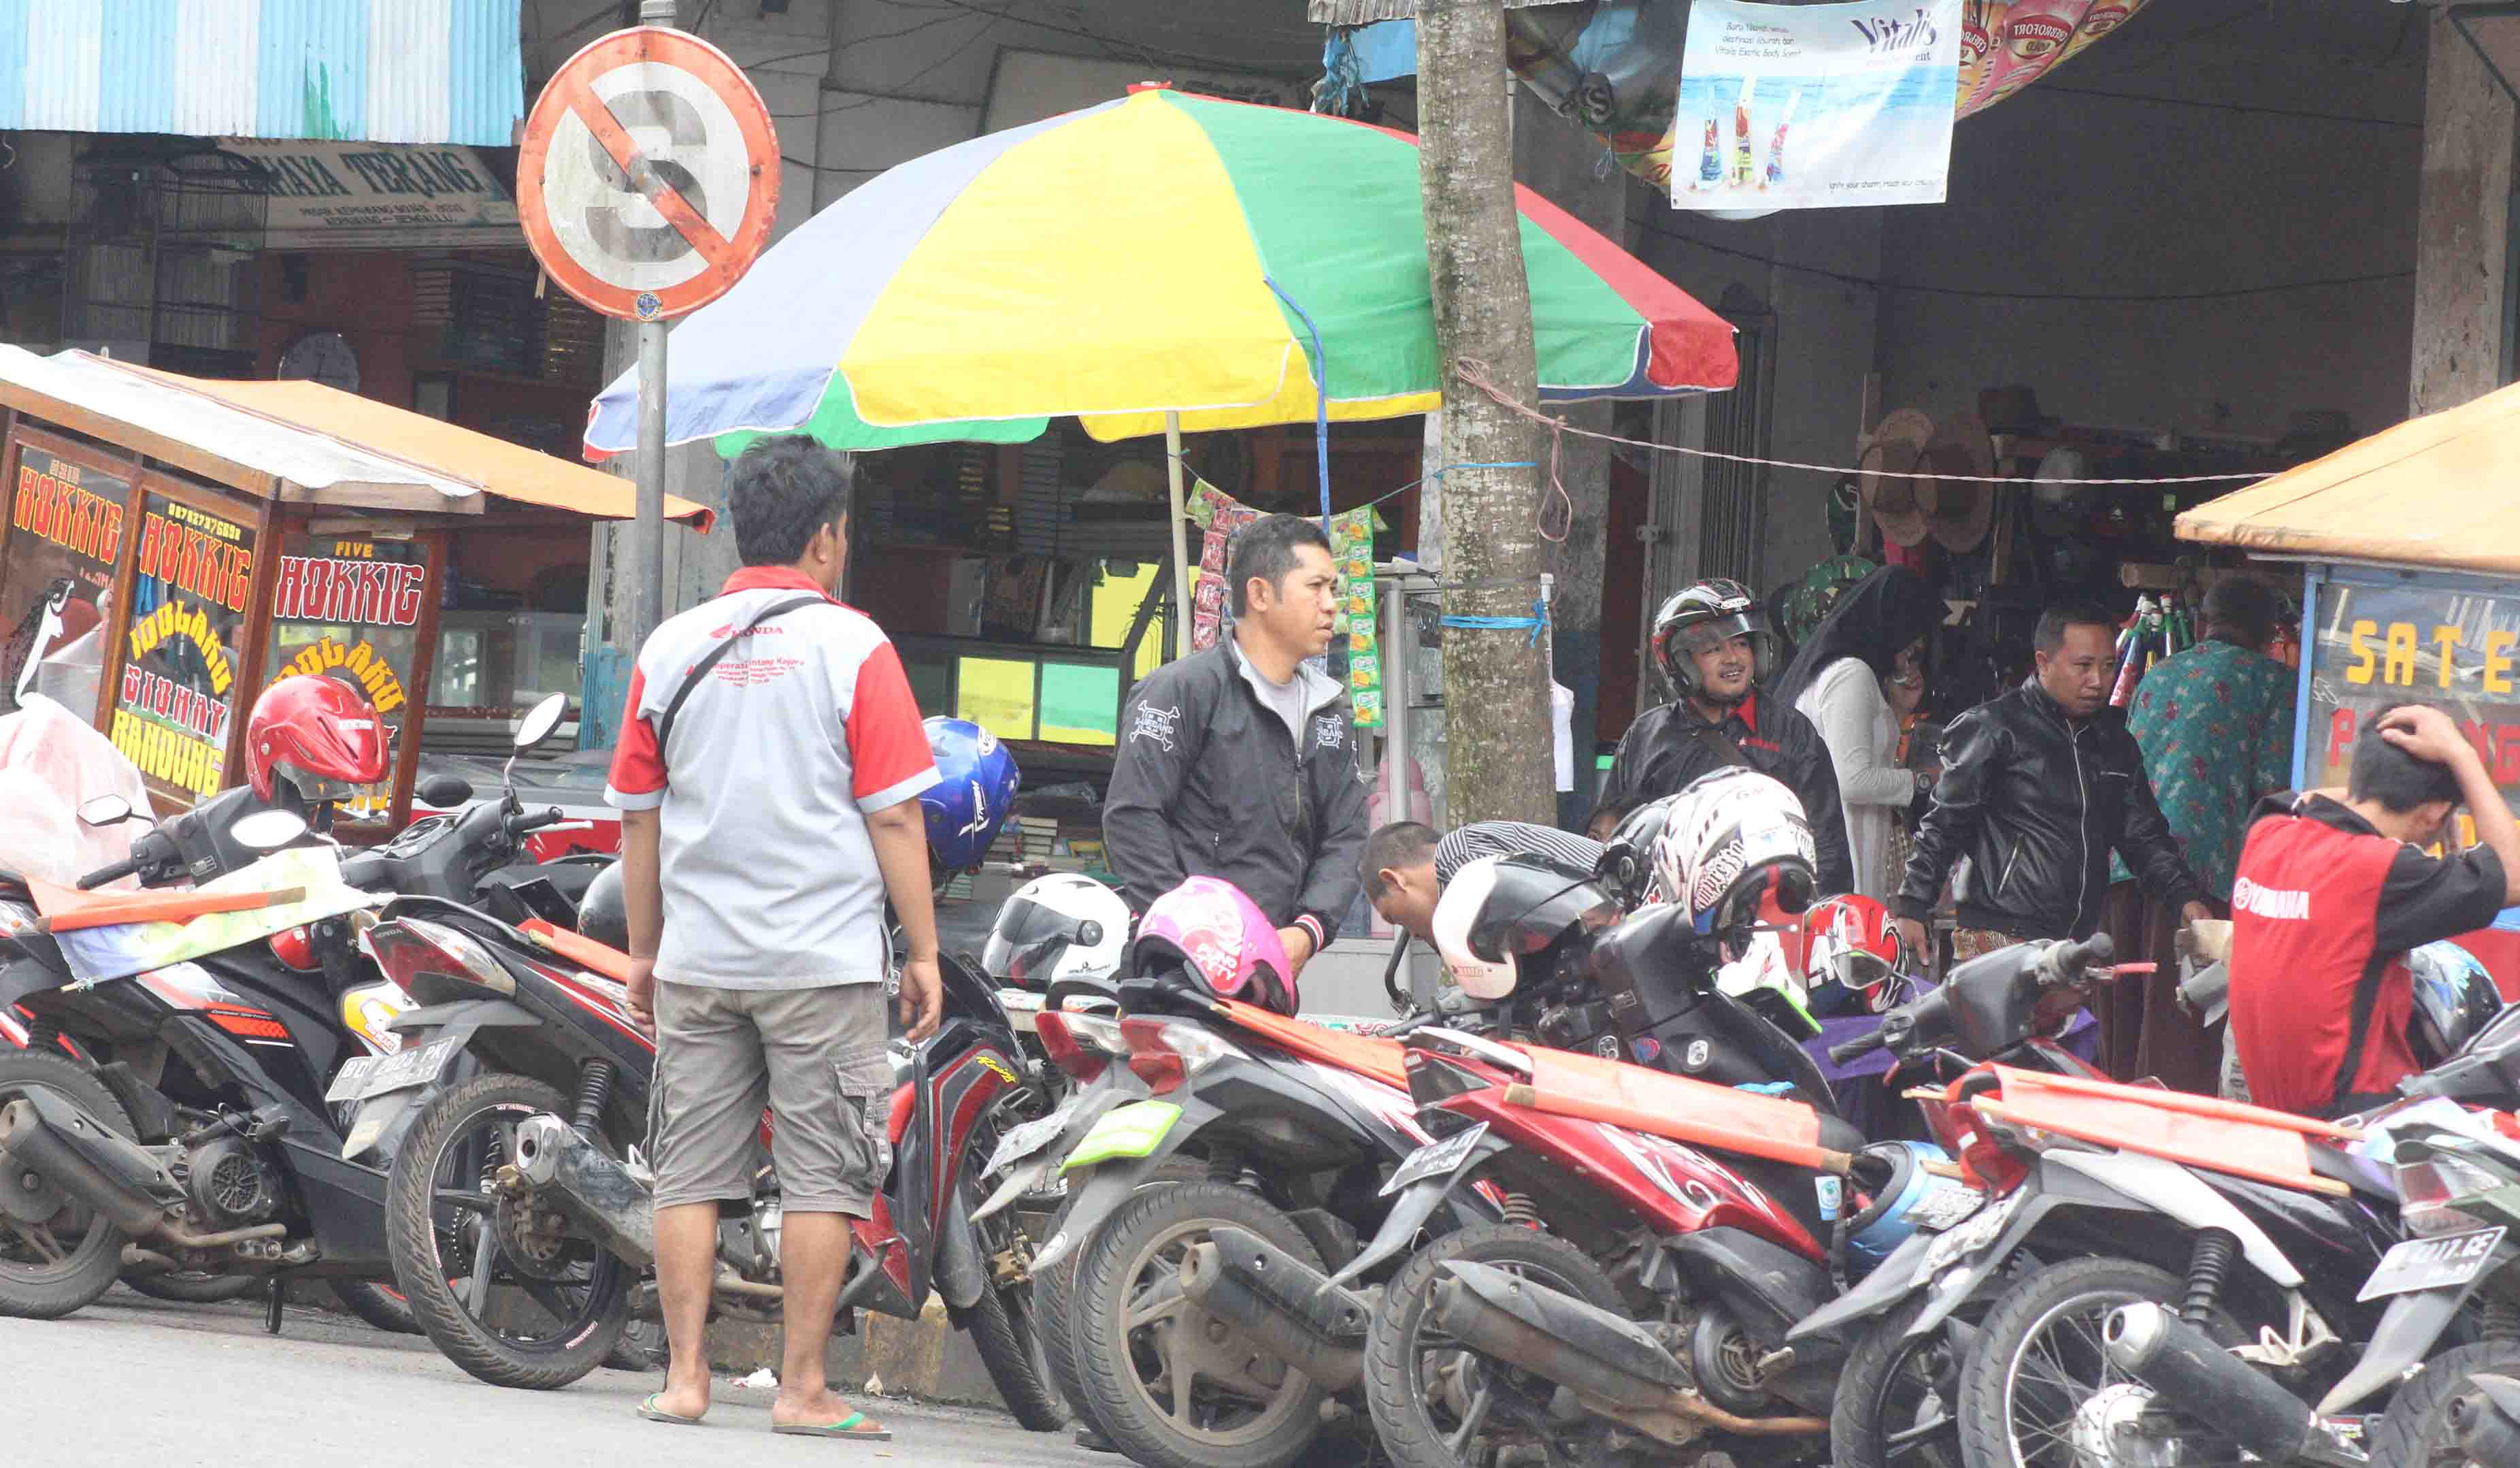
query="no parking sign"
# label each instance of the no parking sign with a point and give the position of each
(649, 174)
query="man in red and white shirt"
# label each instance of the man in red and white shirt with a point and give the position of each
(768, 771)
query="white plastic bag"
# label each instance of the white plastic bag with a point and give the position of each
(50, 762)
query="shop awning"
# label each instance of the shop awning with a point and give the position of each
(2431, 492)
(507, 470)
(368, 71)
(305, 442)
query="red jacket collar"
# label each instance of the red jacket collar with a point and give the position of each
(773, 579)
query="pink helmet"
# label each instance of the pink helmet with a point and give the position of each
(1222, 937)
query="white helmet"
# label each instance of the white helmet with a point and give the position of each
(1060, 927)
(1730, 838)
(1457, 912)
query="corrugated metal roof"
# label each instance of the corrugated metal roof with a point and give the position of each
(1366, 12)
(365, 70)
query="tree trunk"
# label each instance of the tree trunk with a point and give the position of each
(1496, 700)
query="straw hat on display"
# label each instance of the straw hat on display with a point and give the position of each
(1963, 507)
(1903, 507)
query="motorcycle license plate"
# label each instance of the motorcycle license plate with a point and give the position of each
(1945, 1208)
(2431, 1264)
(1131, 1130)
(1026, 1140)
(1434, 1160)
(376, 1074)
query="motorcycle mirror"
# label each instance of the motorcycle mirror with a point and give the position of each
(267, 830)
(445, 792)
(539, 722)
(105, 810)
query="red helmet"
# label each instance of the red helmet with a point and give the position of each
(1852, 940)
(318, 734)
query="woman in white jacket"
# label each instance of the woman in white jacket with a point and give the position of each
(1856, 679)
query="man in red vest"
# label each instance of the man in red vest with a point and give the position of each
(2330, 896)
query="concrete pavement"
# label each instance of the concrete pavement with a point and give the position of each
(131, 1380)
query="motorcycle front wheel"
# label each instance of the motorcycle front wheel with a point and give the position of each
(1895, 1402)
(191, 1288)
(509, 1301)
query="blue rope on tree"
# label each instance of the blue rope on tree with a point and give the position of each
(1537, 621)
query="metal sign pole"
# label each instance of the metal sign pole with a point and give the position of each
(648, 532)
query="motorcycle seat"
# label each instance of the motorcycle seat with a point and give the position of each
(578, 948)
(1366, 1054)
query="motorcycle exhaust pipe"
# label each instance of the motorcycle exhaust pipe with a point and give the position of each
(569, 1172)
(2184, 1364)
(1226, 1289)
(1469, 1318)
(27, 1142)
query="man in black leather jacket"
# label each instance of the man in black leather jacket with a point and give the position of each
(2039, 785)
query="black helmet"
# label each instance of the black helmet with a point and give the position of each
(601, 914)
(1709, 613)
(1627, 859)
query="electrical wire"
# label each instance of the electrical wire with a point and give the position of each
(2092, 297)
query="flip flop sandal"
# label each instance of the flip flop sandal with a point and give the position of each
(853, 1425)
(654, 1413)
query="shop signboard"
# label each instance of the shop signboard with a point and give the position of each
(64, 538)
(2381, 645)
(1815, 105)
(352, 609)
(376, 196)
(176, 692)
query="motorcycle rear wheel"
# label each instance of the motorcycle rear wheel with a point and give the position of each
(1052, 1287)
(1003, 1325)
(1135, 1335)
(2414, 1429)
(582, 1287)
(1895, 1400)
(1405, 1400)
(58, 1265)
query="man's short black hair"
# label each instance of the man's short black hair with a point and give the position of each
(2394, 779)
(1397, 847)
(1265, 550)
(779, 493)
(2053, 622)
(2243, 606)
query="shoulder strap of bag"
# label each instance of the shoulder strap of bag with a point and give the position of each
(699, 670)
(1725, 751)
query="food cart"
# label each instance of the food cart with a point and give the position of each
(173, 543)
(2410, 592)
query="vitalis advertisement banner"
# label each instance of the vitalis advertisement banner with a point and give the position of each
(1816, 105)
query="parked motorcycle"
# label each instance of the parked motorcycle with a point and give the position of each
(518, 1099)
(2457, 1175)
(329, 999)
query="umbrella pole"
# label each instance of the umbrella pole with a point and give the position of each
(1181, 541)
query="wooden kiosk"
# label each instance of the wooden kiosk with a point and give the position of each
(173, 543)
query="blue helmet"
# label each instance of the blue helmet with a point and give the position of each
(965, 809)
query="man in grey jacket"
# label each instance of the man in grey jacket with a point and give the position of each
(1237, 762)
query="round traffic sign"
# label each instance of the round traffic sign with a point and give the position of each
(649, 174)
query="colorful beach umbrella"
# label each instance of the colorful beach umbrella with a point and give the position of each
(1163, 260)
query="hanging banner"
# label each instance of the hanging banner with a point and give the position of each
(1352, 553)
(1818, 106)
(351, 610)
(179, 667)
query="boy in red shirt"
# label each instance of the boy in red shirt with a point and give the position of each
(2330, 896)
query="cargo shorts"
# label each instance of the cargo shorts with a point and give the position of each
(815, 1057)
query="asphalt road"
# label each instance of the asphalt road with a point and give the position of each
(133, 1380)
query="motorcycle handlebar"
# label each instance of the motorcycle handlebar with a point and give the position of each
(104, 874)
(2066, 962)
(1862, 1044)
(518, 825)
